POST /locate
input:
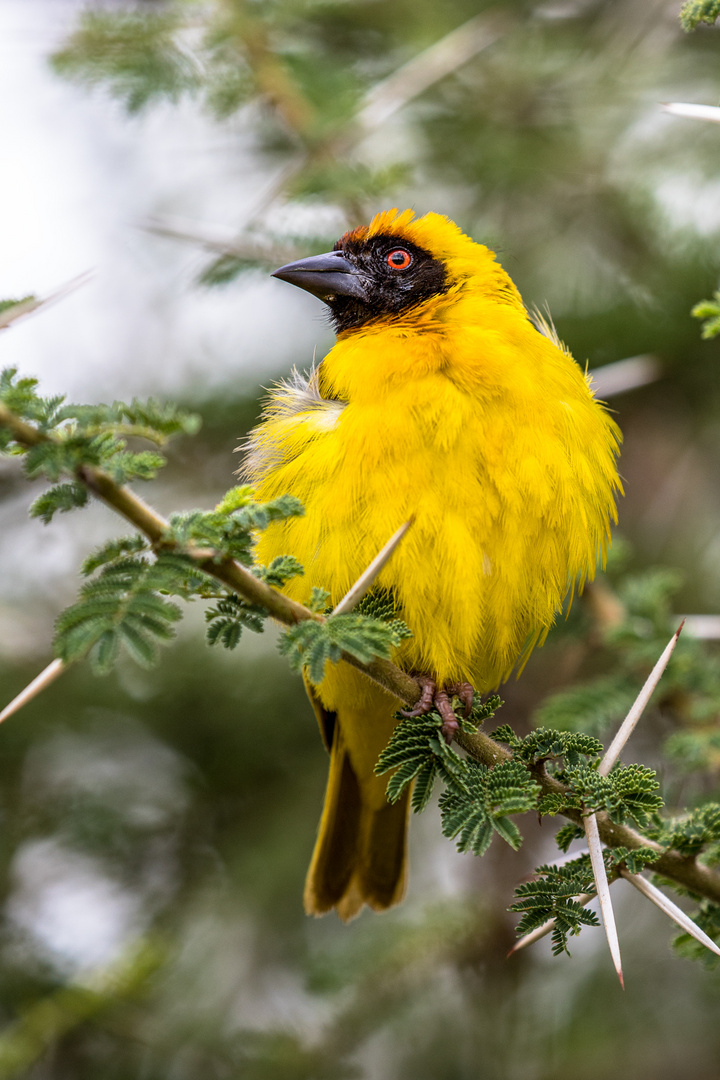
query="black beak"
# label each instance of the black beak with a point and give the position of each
(325, 276)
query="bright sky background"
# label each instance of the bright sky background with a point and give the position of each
(77, 179)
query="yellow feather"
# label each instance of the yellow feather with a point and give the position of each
(458, 411)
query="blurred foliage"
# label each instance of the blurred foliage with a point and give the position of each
(162, 805)
(709, 312)
(696, 11)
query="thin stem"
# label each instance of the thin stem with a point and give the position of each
(27, 307)
(547, 927)
(436, 62)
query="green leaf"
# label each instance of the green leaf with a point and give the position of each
(490, 796)
(424, 782)
(226, 268)
(628, 794)
(693, 833)
(552, 896)
(280, 570)
(230, 616)
(231, 533)
(112, 550)
(544, 743)
(235, 499)
(6, 305)
(379, 604)
(124, 466)
(118, 607)
(633, 859)
(707, 917)
(415, 751)
(311, 645)
(61, 498)
(318, 601)
(565, 835)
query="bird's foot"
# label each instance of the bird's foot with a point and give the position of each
(433, 697)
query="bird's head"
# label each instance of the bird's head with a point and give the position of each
(397, 265)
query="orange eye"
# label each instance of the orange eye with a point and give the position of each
(399, 259)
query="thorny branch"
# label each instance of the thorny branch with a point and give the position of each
(135, 510)
(685, 870)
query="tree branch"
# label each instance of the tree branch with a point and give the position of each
(684, 869)
(156, 528)
(680, 868)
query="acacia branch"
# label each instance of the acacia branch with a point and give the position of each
(156, 528)
(685, 870)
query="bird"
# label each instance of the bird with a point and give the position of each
(446, 402)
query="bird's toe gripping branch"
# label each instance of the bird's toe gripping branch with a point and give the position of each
(434, 697)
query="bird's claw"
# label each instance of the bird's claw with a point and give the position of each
(441, 699)
(426, 699)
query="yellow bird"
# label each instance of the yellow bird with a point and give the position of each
(441, 400)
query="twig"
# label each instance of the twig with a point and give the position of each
(355, 594)
(628, 725)
(547, 927)
(41, 1025)
(144, 518)
(649, 890)
(27, 307)
(248, 247)
(671, 864)
(381, 102)
(428, 67)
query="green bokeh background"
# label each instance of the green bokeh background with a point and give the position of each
(175, 810)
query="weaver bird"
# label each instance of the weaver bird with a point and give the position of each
(442, 401)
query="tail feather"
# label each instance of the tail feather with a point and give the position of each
(360, 853)
(383, 871)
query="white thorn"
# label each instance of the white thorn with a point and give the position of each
(38, 684)
(695, 112)
(547, 927)
(628, 725)
(355, 594)
(603, 891)
(666, 904)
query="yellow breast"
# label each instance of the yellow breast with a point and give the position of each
(487, 432)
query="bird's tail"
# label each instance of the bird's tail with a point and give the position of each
(360, 855)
